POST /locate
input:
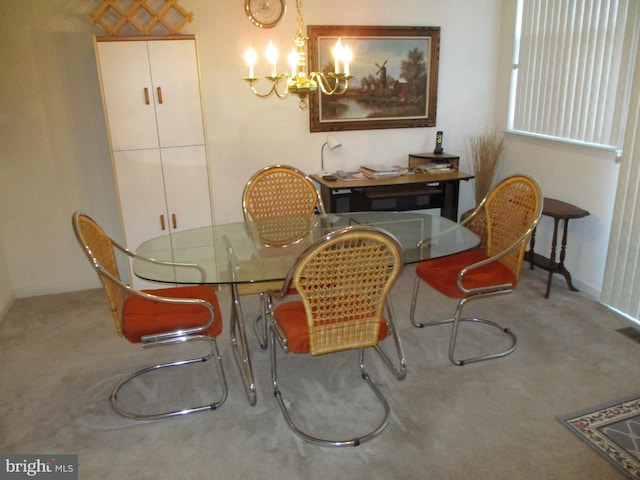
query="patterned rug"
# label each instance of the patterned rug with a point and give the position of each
(613, 431)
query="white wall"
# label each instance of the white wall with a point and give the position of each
(585, 177)
(53, 148)
(246, 133)
(55, 159)
(6, 290)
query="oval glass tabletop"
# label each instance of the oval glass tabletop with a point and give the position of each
(252, 252)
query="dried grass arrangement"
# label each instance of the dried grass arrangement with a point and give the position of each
(486, 151)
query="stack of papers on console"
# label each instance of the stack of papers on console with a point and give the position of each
(439, 168)
(342, 175)
(379, 171)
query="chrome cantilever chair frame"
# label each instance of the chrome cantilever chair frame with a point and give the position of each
(272, 192)
(237, 329)
(494, 254)
(337, 240)
(118, 292)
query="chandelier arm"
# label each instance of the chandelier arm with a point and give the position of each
(274, 87)
(341, 83)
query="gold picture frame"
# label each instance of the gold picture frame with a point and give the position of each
(395, 77)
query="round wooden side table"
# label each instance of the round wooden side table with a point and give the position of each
(558, 210)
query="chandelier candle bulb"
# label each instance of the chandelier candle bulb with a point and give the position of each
(337, 56)
(272, 58)
(347, 56)
(250, 58)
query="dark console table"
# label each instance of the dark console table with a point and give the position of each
(557, 210)
(413, 191)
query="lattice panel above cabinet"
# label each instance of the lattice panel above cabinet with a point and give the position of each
(141, 17)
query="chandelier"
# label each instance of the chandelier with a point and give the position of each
(299, 81)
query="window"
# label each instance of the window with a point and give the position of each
(572, 69)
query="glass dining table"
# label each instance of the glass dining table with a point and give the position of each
(261, 253)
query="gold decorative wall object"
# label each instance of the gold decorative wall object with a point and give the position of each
(141, 17)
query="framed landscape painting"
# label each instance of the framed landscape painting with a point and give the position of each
(395, 77)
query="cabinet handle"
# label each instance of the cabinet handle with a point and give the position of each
(162, 226)
(174, 221)
(146, 96)
(159, 95)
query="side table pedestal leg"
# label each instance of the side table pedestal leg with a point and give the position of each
(561, 270)
(552, 258)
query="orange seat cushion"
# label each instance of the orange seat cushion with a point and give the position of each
(442, 273)
(145, 317)
(292, 319)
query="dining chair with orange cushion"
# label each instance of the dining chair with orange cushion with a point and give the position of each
(272, 197)
(343, 281)
(510, 212)
(160, 317)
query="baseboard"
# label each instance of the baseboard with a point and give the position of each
(7, 307)
(64, 288)
(56, 288)
(586, 289)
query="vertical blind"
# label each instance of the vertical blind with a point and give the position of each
(621, 287)
(572, 70)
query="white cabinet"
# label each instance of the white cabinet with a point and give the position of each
(153, 110)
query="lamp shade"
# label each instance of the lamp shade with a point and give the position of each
(333, 143)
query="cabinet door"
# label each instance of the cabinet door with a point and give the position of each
(186, 186)
(176, 88)
(128, 94)
(141, 195)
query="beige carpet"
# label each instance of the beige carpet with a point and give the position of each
(59, 358)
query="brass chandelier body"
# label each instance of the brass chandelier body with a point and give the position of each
(298, 81)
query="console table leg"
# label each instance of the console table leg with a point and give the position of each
(450, 192)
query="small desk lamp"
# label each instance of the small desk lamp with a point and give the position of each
(333, 143)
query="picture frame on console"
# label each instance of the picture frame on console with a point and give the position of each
(395, 77)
